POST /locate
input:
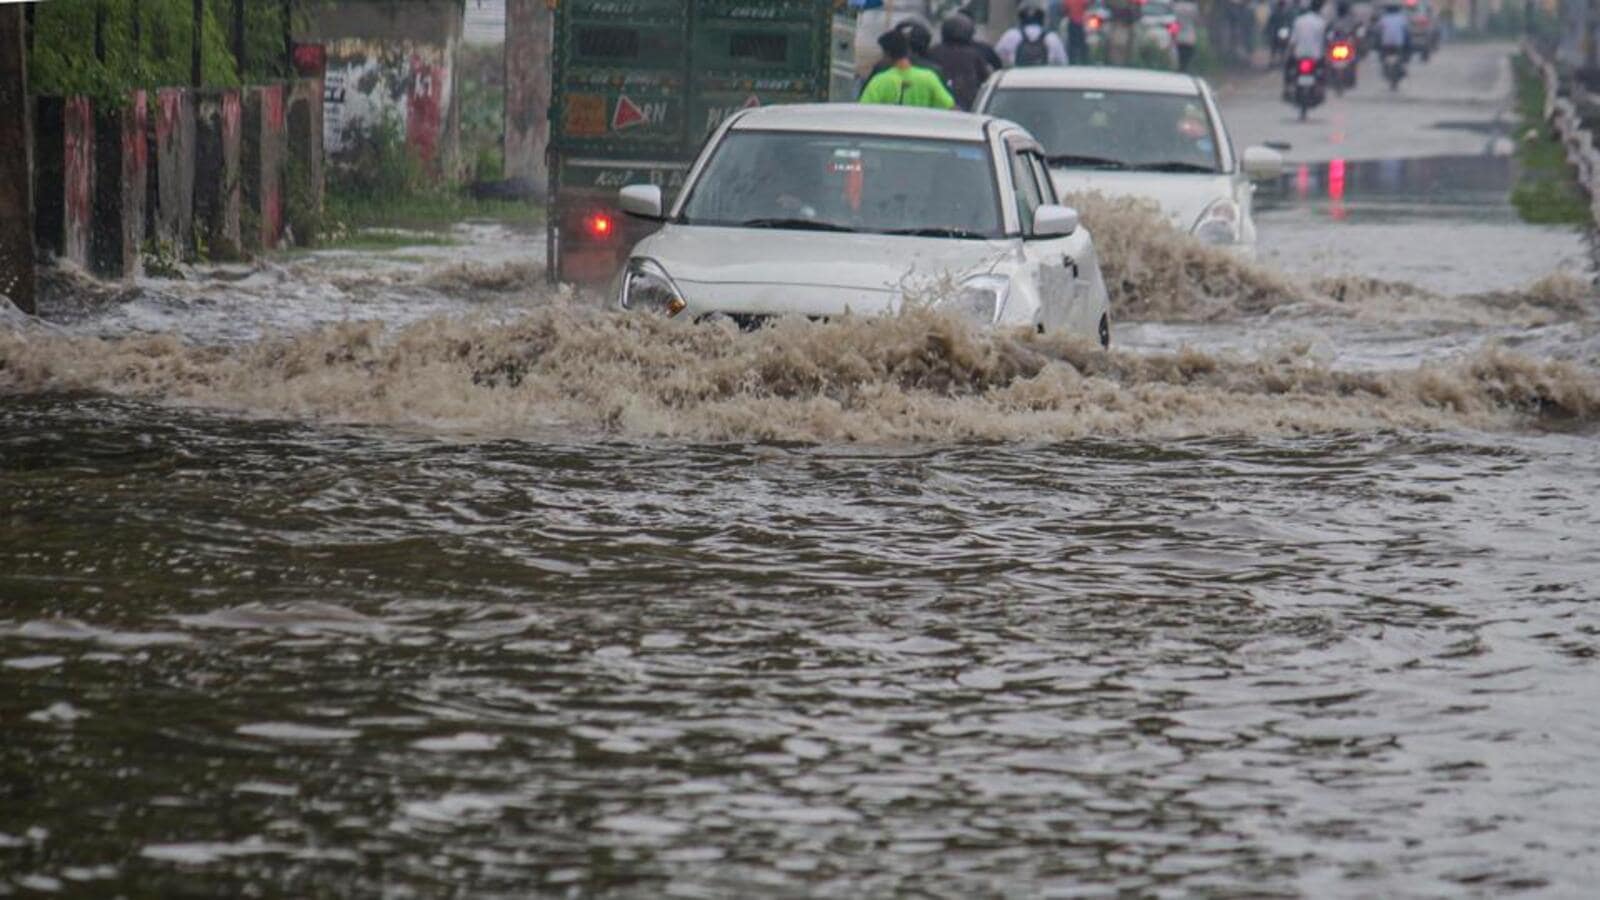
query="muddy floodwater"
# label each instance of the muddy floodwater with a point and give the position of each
(408, 576)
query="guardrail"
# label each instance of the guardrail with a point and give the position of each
(1564, 116)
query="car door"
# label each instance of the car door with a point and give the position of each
(1052, 266)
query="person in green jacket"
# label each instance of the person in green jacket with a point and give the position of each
(903, 84)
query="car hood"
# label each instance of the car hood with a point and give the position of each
(1183, 197)
(774, 271)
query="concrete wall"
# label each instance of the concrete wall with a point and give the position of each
(173, 154)
(527, 112)
(386, 59)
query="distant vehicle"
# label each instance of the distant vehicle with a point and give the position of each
(1157, 29)
(634, 95)
(1305, 83)
(1343, 54)
(1140, 133)
(821, 210)
(1425, 31)
(1393, 63)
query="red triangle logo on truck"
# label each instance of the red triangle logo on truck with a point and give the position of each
(628, 114)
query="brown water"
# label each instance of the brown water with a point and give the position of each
(442, 585)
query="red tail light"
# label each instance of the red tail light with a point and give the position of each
(1094, 23)
(1172, 28)
(1307, 66)
(1340, 52)
(599, 225)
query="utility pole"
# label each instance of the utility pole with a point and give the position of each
(16, 164)
(529, 37)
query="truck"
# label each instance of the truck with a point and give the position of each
(637, 86)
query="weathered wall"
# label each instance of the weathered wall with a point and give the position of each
(265, 155)
(78, 179)
(16, 174)
(172, 219)
(218, 168)
(388, 60)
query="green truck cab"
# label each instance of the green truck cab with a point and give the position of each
(638, 85)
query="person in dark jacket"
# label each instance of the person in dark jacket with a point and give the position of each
(964, 66)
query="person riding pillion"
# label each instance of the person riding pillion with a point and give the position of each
(1030, 43)
(1394, 30)
(1308, 36)
(903, 84)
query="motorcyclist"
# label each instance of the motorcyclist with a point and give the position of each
(1394, 31)
(904, 84)
(1344, 24)
(1308, 37)
(964, 66)
(1278, 19)
(1030, 43)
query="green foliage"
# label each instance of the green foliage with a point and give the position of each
(64, 61)
(1546, 192)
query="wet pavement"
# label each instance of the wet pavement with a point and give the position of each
(402, 575)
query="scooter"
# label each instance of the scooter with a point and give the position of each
(1342, 65)
(1305, 84)
(1394, 66)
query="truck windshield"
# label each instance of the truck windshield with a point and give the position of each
(844, 182)
(1114, 129)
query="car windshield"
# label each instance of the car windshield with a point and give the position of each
(847, 182)
(1114, 129)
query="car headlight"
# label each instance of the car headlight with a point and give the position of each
(1219, 224)
(981, 299)
(647, 287)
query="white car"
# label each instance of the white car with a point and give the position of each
(823, 209)
(1141, 133)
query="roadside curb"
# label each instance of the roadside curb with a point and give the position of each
(1563, 115)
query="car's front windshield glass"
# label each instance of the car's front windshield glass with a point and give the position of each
(847, 182)
(1114, 129)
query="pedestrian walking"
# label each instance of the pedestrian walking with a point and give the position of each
(1076, 13)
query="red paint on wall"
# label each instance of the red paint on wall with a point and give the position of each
(425, 108)
(135, 149)
(78, 173)
(169, 103)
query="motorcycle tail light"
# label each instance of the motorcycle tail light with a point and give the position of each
(1094, 23)
(1172, 28)
(1340, 52)
(1307, 66)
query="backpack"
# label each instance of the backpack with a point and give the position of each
(1032, 52)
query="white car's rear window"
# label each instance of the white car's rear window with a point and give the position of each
(1114, 129)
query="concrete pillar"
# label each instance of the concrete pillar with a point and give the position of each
(303, 194)
(266, 153)
(121, 153)
(173, 169)
(16, 163)
(217, 186)
(78, 179)
(527, 112)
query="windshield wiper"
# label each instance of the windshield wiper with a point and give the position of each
(1174, 166)
(797, 224)
(938, 231)
(1075, 159)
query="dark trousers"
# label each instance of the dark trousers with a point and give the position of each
(1077, 44)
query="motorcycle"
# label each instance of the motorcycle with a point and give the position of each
(1342, 65)
(1305, 85)
(1280, 43)
(1393, 60)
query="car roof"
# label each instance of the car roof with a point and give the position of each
(866, 118)
(1107, 78)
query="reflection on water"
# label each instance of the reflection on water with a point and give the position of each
(355, 662)
(1390, 190)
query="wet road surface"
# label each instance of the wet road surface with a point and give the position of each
(361, 577)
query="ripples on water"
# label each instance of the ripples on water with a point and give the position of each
(357, 661)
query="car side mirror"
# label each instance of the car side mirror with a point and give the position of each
(1262, 163)
(1051, 221)
(642, 200)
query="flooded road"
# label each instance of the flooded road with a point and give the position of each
(350, 577)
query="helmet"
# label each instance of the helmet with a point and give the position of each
(917, 35)
(1030, 14)
(958, 29)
